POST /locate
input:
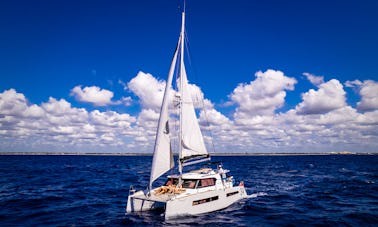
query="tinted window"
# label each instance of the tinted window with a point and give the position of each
(206, 182)
(189, 184)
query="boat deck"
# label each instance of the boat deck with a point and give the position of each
(163, 198)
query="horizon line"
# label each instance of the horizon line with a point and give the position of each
(211, 154)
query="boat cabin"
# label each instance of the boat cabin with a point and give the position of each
(192, 183)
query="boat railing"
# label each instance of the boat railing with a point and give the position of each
(131, 190)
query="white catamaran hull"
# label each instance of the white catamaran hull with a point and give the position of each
(139, 202)
(203, 202)
(187, 204)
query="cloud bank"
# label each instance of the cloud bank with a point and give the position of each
(322, 121)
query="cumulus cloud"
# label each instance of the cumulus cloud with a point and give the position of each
(368, 91)
(315, 80)
(322, 121)
(263, 95)
(12, 103)
(149, 90)
(328, 97)
(55, 124)
(369, 96)
(57, 108)
(213, 117)
(93, 94)
(198, 98)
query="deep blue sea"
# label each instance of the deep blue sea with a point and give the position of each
(332, 190)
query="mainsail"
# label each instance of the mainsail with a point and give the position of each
(192, 145)
(163, 155)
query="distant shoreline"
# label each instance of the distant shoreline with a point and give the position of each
(212, 154)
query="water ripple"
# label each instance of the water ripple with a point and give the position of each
(93, 190)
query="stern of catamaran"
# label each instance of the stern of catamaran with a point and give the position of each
(142, 201)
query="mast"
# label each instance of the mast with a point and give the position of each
(182, 38)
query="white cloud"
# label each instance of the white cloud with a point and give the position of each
(12, 103)
(368, 91)
(198, 97)
(262, 96)
(321, 122)
(127, 101)
(34, 111)
(149, 90)
(57, 125)
(315, 80)
(56, 107)
(213, 117)
(93, 94)
(328, 97)
(369, 96)
(352, 84)
(147, 122)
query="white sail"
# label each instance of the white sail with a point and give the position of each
(191, 136)
(163, 155)
(192, 144)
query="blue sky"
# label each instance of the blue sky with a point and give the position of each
(48, 48)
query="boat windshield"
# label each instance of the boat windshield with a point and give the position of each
(191, 183)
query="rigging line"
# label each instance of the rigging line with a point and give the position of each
(202, 100)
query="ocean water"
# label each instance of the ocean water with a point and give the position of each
(284, 191)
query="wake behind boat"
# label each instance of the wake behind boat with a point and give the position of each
(196, 192)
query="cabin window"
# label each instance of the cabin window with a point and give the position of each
(192, 183)
(206, 182)
(201, 201)
(232, 193)
(189, 184)
(171, 181)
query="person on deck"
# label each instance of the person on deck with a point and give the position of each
(222, 172)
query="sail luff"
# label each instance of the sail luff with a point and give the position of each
(163, 155)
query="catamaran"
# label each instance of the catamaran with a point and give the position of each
(186, 193)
